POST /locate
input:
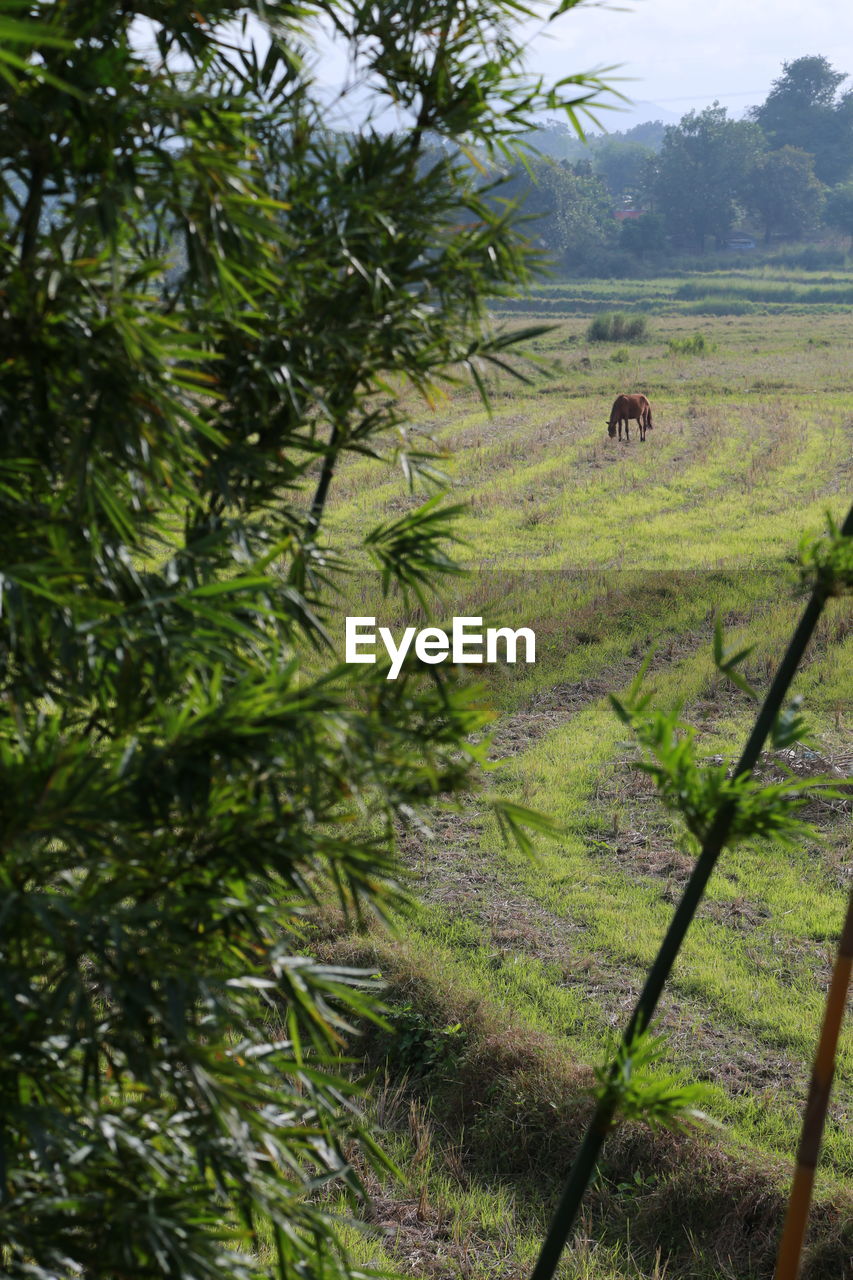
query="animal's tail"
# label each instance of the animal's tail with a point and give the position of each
(649, 422)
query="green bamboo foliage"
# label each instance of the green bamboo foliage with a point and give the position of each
(719, 809)
(207, 299)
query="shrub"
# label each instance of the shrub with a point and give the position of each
(698, 345)
(617, 328)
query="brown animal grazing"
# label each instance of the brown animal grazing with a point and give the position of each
(625, 407)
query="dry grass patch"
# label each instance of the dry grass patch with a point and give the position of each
(510, 1106)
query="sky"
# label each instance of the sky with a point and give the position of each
(679, 54)
(676, 55)
(669, 56)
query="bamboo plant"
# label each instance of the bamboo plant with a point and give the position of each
(814, 1115)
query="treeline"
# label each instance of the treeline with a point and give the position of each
(654, 192)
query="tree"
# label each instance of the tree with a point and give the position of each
(699, 173)
(650, 133)
(568, 209)
(782, 191)
(556, 139)
(585, 221)
(643, 235)
(803, 111)
(207, 302)
(621, 164)
(838, 209)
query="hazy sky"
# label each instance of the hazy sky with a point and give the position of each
(673, 54)
(682, 54)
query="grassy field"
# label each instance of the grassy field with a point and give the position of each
(512, 975)
(765, 290)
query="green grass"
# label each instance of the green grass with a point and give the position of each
(773, 291)
(760, 422)
(609, 549)
(697, 345)
(438, 1211)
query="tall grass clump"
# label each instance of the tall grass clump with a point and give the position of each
(617, 327)
(697, 345)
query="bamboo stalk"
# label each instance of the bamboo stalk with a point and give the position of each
(593, 1140)
(814, 1116)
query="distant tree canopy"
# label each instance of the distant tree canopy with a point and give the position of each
(699, 177)
(804, 110)
(569, 210)
(649, 133)
(622, 164)
(781, 190)
(556, 139)
(646, 234)
(838, 211)
(700, 173)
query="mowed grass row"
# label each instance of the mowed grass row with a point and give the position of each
(758, 966)
(780, 291)
(609, 550)
(735, 467)
(567, 938)
(709, 488)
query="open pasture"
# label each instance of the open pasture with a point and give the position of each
(608, 550)
(736, 291)
(752, 442)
